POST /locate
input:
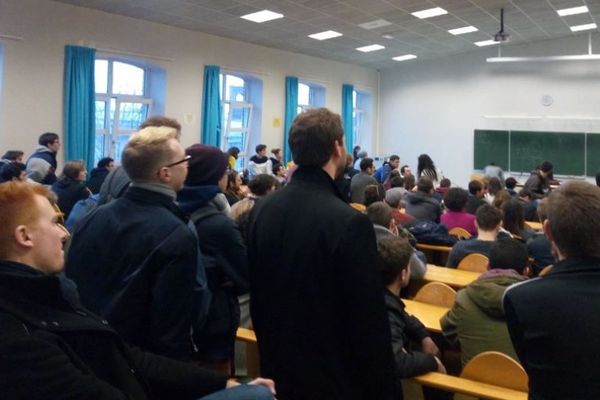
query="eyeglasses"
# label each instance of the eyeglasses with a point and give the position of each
(185, 159)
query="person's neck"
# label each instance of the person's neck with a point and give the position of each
(487, 236)
(395, 287)
(330, 169)
(158, 187)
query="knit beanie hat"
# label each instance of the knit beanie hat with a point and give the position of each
(207, 165)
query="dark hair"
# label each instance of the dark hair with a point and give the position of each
(475, 187)
(276, 167)
(233, 151)
(425, 185)
(508, 254)
(374, 193)
(260, 147)
(546, 166)
(445, 183)
(12, 155)
(232, 188)
(380, 213)
(275, 151)
(494, 185)
(262, 183)
(72, 169)
(104, 162)
(395, 253)
(456, 199)
(513, 220)
(425, 162)
(397, 181)
(313, 135)
(366, 163)
(403, 168)
(510, 183)
(488, 217)
(394, 157)
(409, 182)
(355, 151)
(47, 138)
(160, 120)
(11, 170)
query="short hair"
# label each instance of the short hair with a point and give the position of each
(275, 151)
(456, 199)
(17, 207)
(233, 151)
(445, 183)
(262, 183)
(11, 170)
(508, 254)
(72, 169)
(260, 147)
(397, 181)
(488, 217)
(374, 193)
(494, 185)
(380, 213)
(542, 209)
(425, 184)
(574, 218)
(47, 138)
(510, 183)
(394, 157)
(403, 168)
(147, 151)
(513, 219)
(160, 120)
(12, 155)
(475, 186)
(395, 253)
(366, 163)
(546, 166)
(104, 162)
(313, 135)
(409, 182)
(276, 167)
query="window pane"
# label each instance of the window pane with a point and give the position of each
(113, 106)
(236, 139)
(354, 94)
(128, 79)
(100, 114)
(99, 148)
(303, 94)
(234, 88)
(101, 76)
(120, 144)
(131, 115)
(240, 117)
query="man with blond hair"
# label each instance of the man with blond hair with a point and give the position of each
(135, 259)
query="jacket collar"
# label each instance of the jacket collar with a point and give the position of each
(317, 177)
(151, 197)
(571, 265)
(393, 301)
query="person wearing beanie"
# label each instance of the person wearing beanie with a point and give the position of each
(539, 181)
(223, 248)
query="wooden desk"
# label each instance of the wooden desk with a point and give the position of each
(426, 313)
(437, 255)
(536, 226)
(433, 247)
(453, 277)
(468, 387)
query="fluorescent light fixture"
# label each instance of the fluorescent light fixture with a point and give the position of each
(372, 47)
(486, 43)
(572, 11)
(378, 23)
(405, 57)
(431, 12)
(325, 35)
(586, 27)
(463, 30)
(579, 57)
(262, 16)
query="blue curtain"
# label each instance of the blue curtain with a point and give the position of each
(291, 109)
(211, 107)
(80, 105)
(347, 120)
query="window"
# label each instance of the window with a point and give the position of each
(361, 118)
(241, 96)
(123, 102)
(310, 96)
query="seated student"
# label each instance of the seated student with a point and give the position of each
(13, 171)
(415, 352)
(99, 174)
(374, 193)
(494, 186)
(393, 198)
(387, 184)
(528, 203)
(456, 216)
(476, 195)
(234, 192)
(514, 222)
(405, 171)
(539, 181)
(277, 158)
(70, 187)
(11, 156)
(361, 180)
(409, 183)
(421, 204)
(477, 319)
(380, 215)
(539, 246)
(279, 173)
(500, 198)
(440, 192)
(259, 186)
(260, 163)
(54, 348)
(488, 221)
(510, 184)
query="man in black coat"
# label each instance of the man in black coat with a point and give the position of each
(51, 347)
(554, 321)
(316, 297)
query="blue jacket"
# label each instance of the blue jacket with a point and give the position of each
(382, 172)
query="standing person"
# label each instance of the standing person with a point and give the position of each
(360, 181)
(539, 181)
(41, 166)
(553, 321)
(316, 298)
(98, 174)
(355, 152)
(405, 171)
(70, 188)
(260, 163)
(494, 171)
(383, 172)
(361, 155)
(233, 153)
(427, 168)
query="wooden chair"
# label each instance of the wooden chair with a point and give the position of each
(460, 233)
(437, 294)
(474, 262)
(358, 207)
(498, 369)
(545, 270)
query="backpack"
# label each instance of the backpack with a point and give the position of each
(431, 233)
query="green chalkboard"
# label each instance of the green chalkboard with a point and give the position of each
(593, 154)
(566, 150)
(490, 146)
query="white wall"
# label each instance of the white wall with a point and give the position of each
(433, 107)
(32, 89)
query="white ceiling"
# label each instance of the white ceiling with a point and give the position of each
(525, 20)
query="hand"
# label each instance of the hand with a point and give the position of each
(231, 383)
(429, 346)
(440, 368)
(268, 383)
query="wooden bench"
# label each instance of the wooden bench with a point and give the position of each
(452, 277)
(437, 255)
(468, 387)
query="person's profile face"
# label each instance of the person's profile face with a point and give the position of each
(47, 236)
(110, 166)
(180, 169)
(395, 164)
(54, 146)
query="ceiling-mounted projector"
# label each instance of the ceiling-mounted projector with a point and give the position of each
(501, 36)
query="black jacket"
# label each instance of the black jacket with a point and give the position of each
(423, 207)
(97, 177)
(473, 203)
(53, 348)
(69, 192)
(135, 262)
(317, 303)
(554, 325)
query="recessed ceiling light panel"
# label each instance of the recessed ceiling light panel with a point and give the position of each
(463, 30)
(572, 11)
(372, 47)
(262, 16)
(431, 12)
(325, 35)
(405, 57)
(378, 23)
(586, 27)
(486, 43)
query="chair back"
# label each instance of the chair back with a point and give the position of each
(495, 368)
(437, 294)
(474, 262)
(460, 233)
(358, 207)
(545, 270)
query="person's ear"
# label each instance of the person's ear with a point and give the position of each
(23, 236)
(164, 174)
(547, 230)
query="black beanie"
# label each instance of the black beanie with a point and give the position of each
(207, 165)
